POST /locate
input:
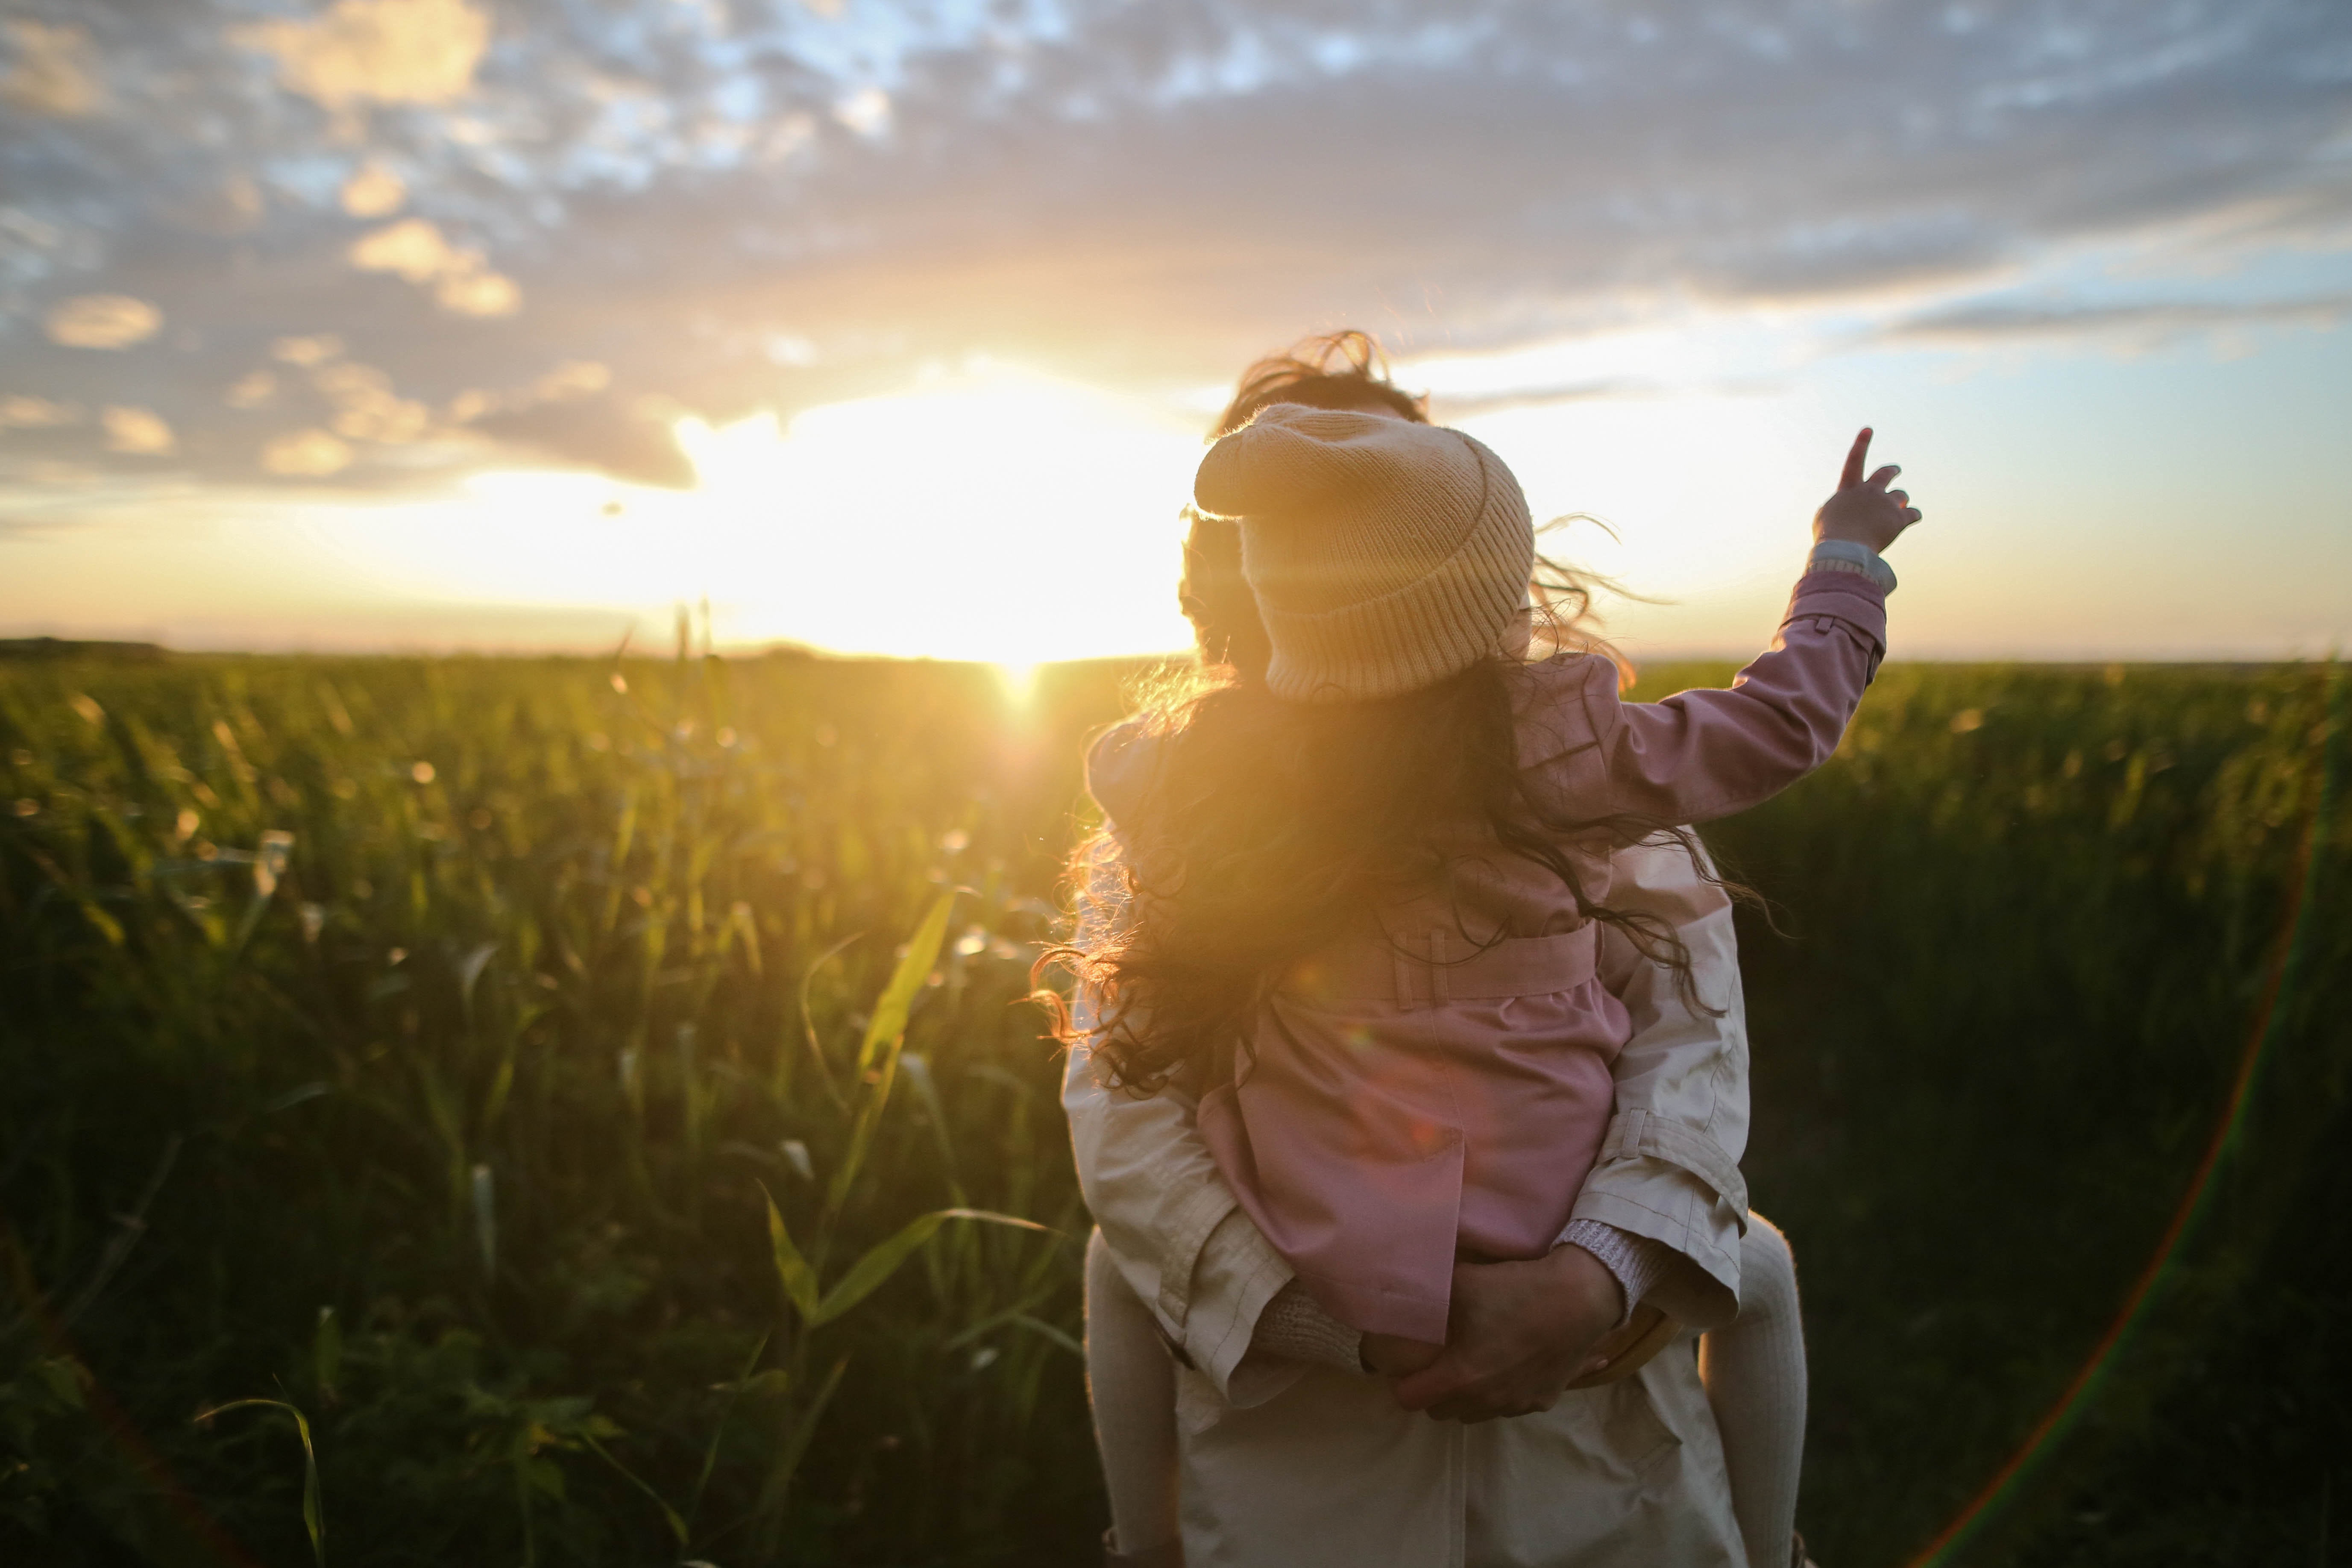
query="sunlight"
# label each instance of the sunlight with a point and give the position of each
(1703, 491)
(1684, 438)
(1020, 682)
(996, 514)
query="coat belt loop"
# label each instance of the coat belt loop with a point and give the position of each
(1439, 990)
(1625, 1138)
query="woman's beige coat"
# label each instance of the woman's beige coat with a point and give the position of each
(1291, 1467)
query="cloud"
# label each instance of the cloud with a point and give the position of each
(251, 390)
(23, 413)
(630, 440)
(306, 454)
(471, 291)
(234, 206)
(771, 205)
(413, 249)
(55, 70)
(1988, 323)
(416, 250)
(865, 112)
(379, 51)
(1452, 408)
(562, 382)
(103, 322)
(138, 431)
(572, 378)
(373, 190)
(366, 406)
(305, 350)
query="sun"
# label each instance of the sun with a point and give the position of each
(992, 514)
(995, 514)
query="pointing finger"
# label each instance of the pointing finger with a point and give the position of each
(1856, 457)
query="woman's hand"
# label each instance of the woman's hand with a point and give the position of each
(1864, 512)
(1520, 1333)
(1392, 1355)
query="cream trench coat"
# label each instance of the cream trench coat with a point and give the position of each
(1288, 1466)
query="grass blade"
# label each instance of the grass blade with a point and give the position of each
(1040, 1327)
(888, 1022)
(799, 1280)
(878, 1054)
(717, 1427)
(669, 1515)
(796, 1442)
(314, 1509)
(808, 1020)
(485, 1219)
(869, 1272)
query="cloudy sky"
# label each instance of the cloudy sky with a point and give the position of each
(891, 326)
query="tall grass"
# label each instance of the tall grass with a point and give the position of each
(484, 1004)
(2037, 919)
(580, 1093)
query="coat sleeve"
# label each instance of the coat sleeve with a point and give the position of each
(1173, 1225)
(1708, 753)
(1669, 1166)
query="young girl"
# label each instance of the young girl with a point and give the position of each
(1363, 898)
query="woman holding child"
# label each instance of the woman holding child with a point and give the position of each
(1408, 1077)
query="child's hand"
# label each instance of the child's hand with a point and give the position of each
(1392, 1355)
(1864, 512)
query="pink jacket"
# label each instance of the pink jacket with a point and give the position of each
(1430, 1092)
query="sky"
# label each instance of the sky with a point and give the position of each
(437, 324)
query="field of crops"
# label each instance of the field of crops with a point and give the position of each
(518, 1078)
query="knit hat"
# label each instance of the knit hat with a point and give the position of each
(1385, 556)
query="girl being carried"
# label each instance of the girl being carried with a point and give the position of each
(1359, 908)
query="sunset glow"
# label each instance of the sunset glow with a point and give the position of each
(989, 513)
(994, 515)
(425, 324)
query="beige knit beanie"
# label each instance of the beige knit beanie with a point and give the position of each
(1384, 555)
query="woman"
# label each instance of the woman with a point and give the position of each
(1630, 1472)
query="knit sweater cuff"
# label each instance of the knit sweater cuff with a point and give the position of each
(1846, 555)
(1637, 1262)
(1296, 1327)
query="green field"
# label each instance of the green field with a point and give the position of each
(416, 1045)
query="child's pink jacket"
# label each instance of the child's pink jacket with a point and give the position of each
(1426, 1092)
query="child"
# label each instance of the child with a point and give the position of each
(1364, 900)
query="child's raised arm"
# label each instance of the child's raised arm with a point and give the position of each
(1708, 753)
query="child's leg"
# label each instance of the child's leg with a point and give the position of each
(1132, 1384)
(1754, 1369)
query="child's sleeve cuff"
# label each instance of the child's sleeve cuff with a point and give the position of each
(1845, 555)
(1637, 1261)
(1295, 1326)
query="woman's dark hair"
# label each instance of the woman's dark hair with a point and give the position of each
(1271, 829)
(1339, 370)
